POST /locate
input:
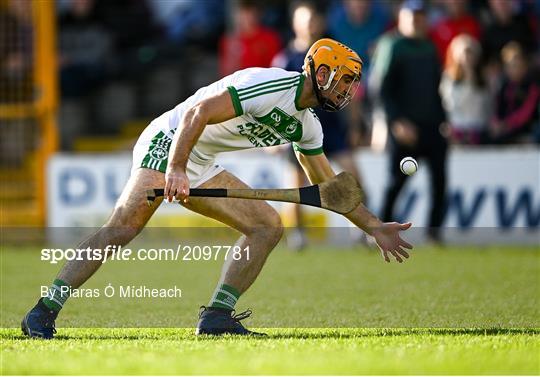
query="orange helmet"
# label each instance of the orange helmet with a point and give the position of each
(341, 61)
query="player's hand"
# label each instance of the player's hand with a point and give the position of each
(176, 185)
(389, 241)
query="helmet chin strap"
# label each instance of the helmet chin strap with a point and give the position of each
(325, 103)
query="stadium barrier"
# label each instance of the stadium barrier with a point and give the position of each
(28, 110)
(493, 194)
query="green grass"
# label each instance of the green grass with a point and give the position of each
(301, 351)
(445, 311)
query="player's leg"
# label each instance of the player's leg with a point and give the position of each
(127, 219)
(436, 160)
(130, 215)
(259, 223)
(396, 181)
(261, 227)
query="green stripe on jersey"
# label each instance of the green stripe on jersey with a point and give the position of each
(269, 90)
(264, 83)
(246, 91)
(299, 93)
(235, 100)
(308, 152)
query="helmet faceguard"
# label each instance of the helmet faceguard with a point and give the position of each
(345, 67)
(343, 79)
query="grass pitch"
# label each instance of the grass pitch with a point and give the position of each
(450, 311)
(299, 351)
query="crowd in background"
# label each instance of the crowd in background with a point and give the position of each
(145, 56)
(435, 73)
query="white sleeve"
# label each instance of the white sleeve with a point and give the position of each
(311, 142)
(256, 93)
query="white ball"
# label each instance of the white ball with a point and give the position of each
(408, 165)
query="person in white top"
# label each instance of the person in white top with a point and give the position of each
(464, 92)
(251, 108)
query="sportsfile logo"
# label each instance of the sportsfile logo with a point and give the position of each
(182, 253)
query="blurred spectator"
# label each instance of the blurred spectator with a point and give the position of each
(85, 49)
(517, 99)
(358, 24)
(190, 21)
(129, 21)
(308, 26)
(436, 12)
(250, 44)
(275, 14)
(466, 97)
(457, 21)
(505, 26)
(15, 52)
(406, 73)
(133, 32)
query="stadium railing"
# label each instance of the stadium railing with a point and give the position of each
(28, 122)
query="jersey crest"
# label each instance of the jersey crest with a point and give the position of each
(286, 125)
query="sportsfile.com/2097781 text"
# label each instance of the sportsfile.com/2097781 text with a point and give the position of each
(182, 253)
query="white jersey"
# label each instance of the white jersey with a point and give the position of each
(267, 114)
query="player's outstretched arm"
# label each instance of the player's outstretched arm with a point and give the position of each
(386, 235)
(215, 109)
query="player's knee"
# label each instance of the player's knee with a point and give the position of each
(277, 227)
(276, 232)
(270, 226)
(126, 221)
